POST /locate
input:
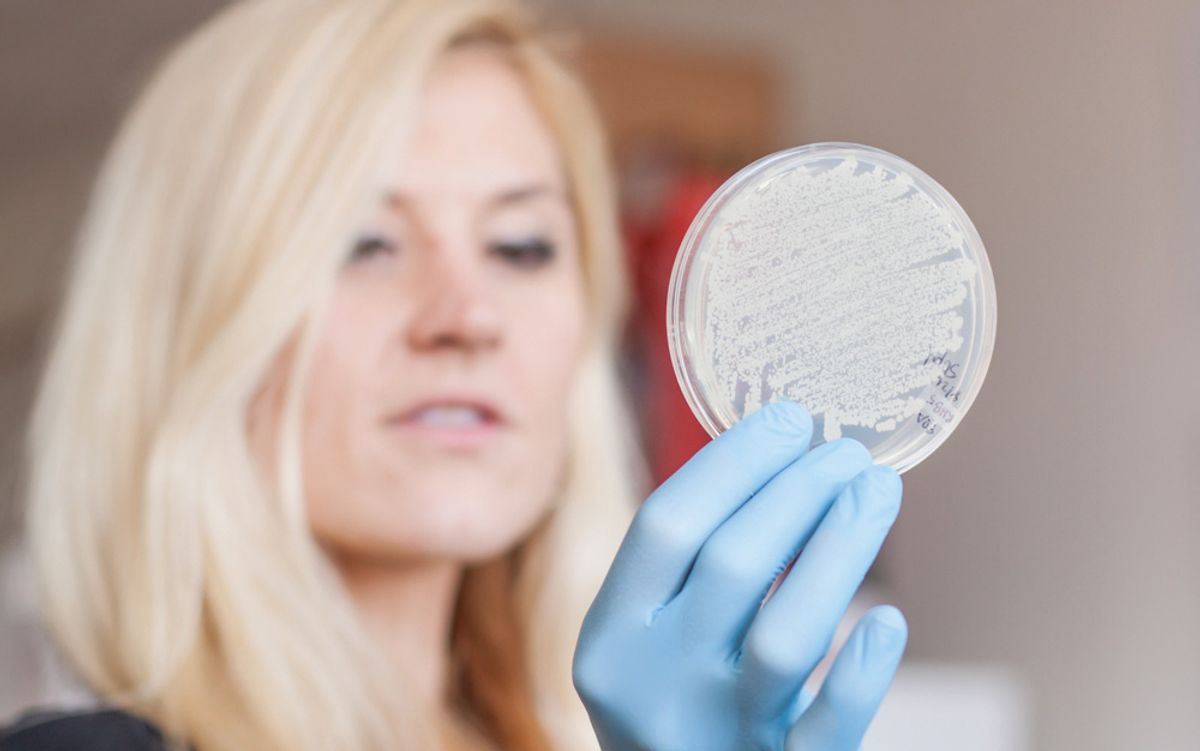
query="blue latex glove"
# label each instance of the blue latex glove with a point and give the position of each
(675, 653)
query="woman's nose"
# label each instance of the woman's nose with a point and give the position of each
(455, 310)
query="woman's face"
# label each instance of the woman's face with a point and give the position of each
(434, 422)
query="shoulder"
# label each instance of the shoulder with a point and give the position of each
(95, 730)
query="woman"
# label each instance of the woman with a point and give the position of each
(329, 453)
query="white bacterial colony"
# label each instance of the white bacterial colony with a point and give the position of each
(833, 288)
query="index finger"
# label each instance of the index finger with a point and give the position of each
(669, 528)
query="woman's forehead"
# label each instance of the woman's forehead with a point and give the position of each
(477, 132)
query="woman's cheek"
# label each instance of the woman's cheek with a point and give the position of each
(562, 346)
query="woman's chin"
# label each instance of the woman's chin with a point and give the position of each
(452, 518)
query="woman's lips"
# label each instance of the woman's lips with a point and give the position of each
(452, 424)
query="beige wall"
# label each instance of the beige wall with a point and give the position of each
(1056, 529)
(66, 72)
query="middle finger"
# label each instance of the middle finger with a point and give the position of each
(737, 564)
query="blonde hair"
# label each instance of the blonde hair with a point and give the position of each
(181, 583)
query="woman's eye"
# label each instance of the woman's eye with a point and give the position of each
(370, 245)
(525, 253)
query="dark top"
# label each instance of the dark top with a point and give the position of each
(94, 730)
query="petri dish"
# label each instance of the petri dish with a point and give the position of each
(842, 277)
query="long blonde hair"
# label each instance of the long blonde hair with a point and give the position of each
(180, 582)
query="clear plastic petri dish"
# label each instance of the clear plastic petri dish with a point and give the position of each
(842, 277)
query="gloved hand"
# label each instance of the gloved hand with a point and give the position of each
(675, 653)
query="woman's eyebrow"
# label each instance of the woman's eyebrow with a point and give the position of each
(525, 193)
(396, 200)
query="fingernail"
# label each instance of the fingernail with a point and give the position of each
(884, 489)
(790, 415)
(887, 626)
(888, 479)
(843, 450)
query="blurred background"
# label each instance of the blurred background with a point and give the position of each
(1046, 555)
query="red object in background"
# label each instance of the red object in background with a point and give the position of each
(671, 432)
